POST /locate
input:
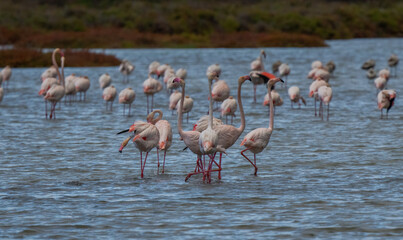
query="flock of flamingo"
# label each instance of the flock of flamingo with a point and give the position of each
(209, 135)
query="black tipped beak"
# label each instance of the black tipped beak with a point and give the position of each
(122, 131)
(281, 80)
(120, 151)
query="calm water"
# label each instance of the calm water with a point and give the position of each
(340, 179)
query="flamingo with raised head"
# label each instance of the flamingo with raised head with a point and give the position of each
(295, 96)
(257, 140)
(258, 64)
(6, 74)
(386, 99)
(104, 80)
(109, 95)
(56, 91)
(126, 97)
(325, 96)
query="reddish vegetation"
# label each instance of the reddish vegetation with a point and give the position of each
(35, 58)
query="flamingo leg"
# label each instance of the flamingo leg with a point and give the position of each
(163, 165)
(46, 109)
(253, 164)
(147, 106)
(328, 106)
(254, 93)
(158, 160)
(144, 165)
(152, 102)
(198, 168)
(315, 106)
(219, 166)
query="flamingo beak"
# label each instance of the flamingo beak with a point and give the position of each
(132, 128)
(207, 146)
(162, 145)
(248, 77)
(281, 80)
(122, 131)
(310, 93)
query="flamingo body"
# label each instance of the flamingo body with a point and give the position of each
(104, 80)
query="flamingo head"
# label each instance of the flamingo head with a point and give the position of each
(174, 82)
(242, 79)
(311, 93)
(162, 145)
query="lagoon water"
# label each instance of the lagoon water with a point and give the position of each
(341, 179)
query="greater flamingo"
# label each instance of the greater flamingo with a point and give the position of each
(385, 73)
(276, 99)
(150, 87)
(1, 93)
(313, 90)
(181, 73)
(161, 69)
(104, 80)
(82, 85)
(174, 99)
(220, 91)
(275, 66)
(126, 68)
(153, 69)
(6, 73)
(393, 61)
(325, 96)
(257, 140)
(70, 88)
(295, 96)
(228, 108)
(127, 96)
(109, 95)
(187, 106)
(56, 91)
(256, 80)
(386, 99)
(213, 71)
(284, 71)
(165, 140)
(380, 83)
(49, 73)
(257, 64)
(202, 123)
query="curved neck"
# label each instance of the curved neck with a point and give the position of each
(180, 130)
(62, 75)
(210, 121)
(154, 121)
(243, 122)
(55, 64)
(271, 108)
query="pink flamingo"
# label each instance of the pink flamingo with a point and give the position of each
(313, 90)
(153, 69)
(257, 64)
(295, 96)
(126, 68)
(161, 69)
(127, 96)
(109, 95)
(380, 83)
(284, 70)
(325, 96)
(6, 73)
(56, 91)
(213, 71)
(104, 80)
(228, 108)
(256, 80)
(82, 85)
(257, 140)
(49, 73)
(70, 87)
(220, 91)
(202, 123)
(187, 106)
(150, 87)
(276, 99)
(181, 73)
(174, 99)
(165, 140)
(384, 73)
(386, 99)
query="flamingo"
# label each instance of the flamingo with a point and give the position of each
(153, 68)
(275, 66)
(325, 96)
(49, 73)
(127, 96)
(368, 64)
(208, 139)
(187, 106)
(228, 107)
(380, 83)
(56, 91)
(330, 67)
(1, 93)
(316, 64)
(257, 140)
(174, 99)
(256, 80)
(70, 88)
(168, 74)
(161, 69)
(276, 98)
(165, 140)
(82, 84)
(6, 73)
(393, 61)
(323, 74)
(109, 95)
(104, 80)
(126, 68)
(284, 70)
(181, 73)
(45, 86)
(150, 87)
(295, 96)
(213, 71)
(220, 91)
(385, 73)
(313, 90)
(202, 123)
(257, 64)
(386, 99)
(228, 134)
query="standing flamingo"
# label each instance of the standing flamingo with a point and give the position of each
(181, 73)
(380, 83)
(386, 99)
(127, 96)
(126, 68)
(174, 99)
(256, 80)
(295, 96)
(213, 71)
(49, 73)
(109, 95)
(153, 69)
(385, 73)
(220, 91)
(393, 61)
(104, 80)
(6, 73)
(150, 87)
(187, 106)
(275, 66)
(56, 91)
(228, 108)
(325, 96)
(82, 85)
(257, 64)
(70, 88)
(284, 70)
(313, 90)
(161, 70)
(165, 140)
(202, 123)
(275, 97)
(257, 140)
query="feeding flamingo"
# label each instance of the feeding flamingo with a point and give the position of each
(295, 96)
(109, 95)
(386, 99)
(257, 140)
(56, 91)
(127, 96)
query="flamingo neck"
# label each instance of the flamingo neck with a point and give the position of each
(56, 66)
(271, 123)
(62, 73)
(210, 121)
(180, 130)
(243, 122)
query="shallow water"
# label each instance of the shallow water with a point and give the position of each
(343, 178)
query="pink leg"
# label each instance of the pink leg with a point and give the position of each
(315, 105)
(163, 165)
(253, 164)
(158, 160)
(254, 93)
(141, 161)
(219, 166)
(147, 106)
(152, 102)
(144, 165)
